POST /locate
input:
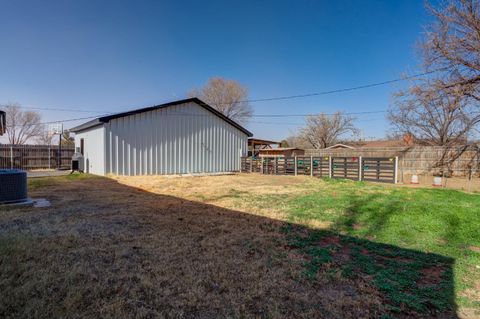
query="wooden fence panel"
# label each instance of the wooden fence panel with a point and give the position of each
(289, 165)
(345, 167)
(378, 169)
(321, 166)
(245, 164)
(281, 166)
(28, 157)
(268, 165)
(256, 166)
(303, 165)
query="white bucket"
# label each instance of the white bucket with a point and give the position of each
(437, 181)
(414, 179)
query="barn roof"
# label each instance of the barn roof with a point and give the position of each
(106, 119)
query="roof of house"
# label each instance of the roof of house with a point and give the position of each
(260, 141)
(106, 119)
(383, 143)
(280, 149)
(371, 144)
(339, 145)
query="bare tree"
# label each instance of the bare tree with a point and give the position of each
(435, 117)
(297, 140)
(22, 126)
(67, 139)
(444, 110)
(322, 130)
(45, 137)
(228, 97)
(452, 42)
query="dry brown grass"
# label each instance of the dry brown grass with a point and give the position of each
(105, 249)
(228, 190)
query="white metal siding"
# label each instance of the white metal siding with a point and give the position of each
(94, 149)
(178, 139)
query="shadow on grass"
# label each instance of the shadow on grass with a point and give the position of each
(108, 250)
(411, 282)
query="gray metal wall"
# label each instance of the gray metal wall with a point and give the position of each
(178, 139)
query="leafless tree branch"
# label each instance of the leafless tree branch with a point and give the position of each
(228, 97)
(22, 126)
(322, 131)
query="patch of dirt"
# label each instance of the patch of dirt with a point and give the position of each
(329, 241)
(431, 276)
(357, 226)
(342, 255)
(474, 249)
(442, 241)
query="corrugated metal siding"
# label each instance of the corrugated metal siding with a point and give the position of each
(178, 139)
(94, 149)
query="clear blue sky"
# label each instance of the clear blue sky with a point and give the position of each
(119, 55)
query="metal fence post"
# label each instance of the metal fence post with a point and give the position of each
(330, 166)
(261, 163)
(311, 165)
(49, 160)
(275, 165)
(295, 166)
(360, 168)
(11, 157)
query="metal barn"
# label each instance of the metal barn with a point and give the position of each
(181, 137)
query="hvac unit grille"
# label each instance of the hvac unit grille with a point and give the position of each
(13, 186)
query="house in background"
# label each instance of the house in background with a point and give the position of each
(281, 152)
(256, 144)
(180, 137)
(405, 141)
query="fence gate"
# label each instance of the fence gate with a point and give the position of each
(346, 167)
(381, 169)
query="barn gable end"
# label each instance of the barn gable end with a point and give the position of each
(181, 138)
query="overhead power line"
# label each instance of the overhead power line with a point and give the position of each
(59, 121)
(277, 98)
(310, 114)
(73, 110)
(192, 114)
(360, 87)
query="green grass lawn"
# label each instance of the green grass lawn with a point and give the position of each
(437, 223)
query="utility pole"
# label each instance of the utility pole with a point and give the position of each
(54, 129)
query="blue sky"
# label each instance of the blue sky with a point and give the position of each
(116, 55)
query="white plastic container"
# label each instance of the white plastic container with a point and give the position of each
(437, 181)
(414, 179)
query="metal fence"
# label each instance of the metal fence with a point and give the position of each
(30, 157)
(376, 169)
